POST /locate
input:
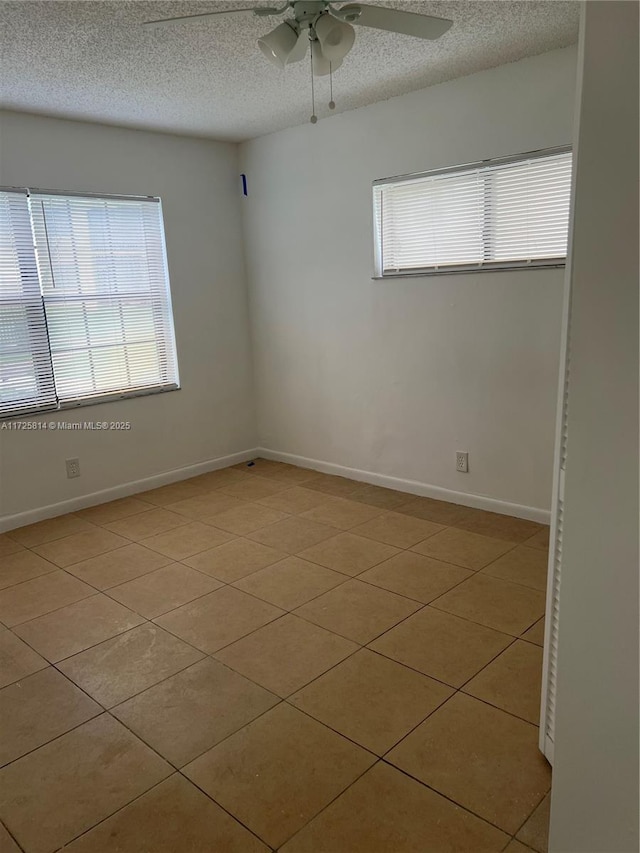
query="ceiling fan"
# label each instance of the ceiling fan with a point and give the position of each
(325, 28)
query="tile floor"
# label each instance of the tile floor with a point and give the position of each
(267, 658)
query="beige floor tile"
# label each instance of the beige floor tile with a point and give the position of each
(349, 554)
(80, 546)
(119, 566)
(22, 566)
(253, 488)
(442, 512)
(512, 681)
(502, 605)
(77, 627)
(358, 611)
(48, 530)
(371, 700)
(482, 758)
(524, 565)
(186, 540)
(393, 528)
(535, 832)
(271, 469)
(41, 595)
(206, 505)
(17, 659)
(342, 513)
(38, 709)
(499, 526)
(53, 794)
(247, 518)
(387, 812)
(193, 710)
(173, 492)
(286, 654)
(173, 817)
(294, 501)
(539, 539)
(278, 772)
(462, 548)
(163, 590)
(113, 510)
(221, 477)
(146, 524)
(218, 619)
(234, 560)
(8, 546)
(293, 534)
(286, 470)
(7, 844)
(442, 646)
(328, 484)
(290, 582)
(535, 634)
(415, 576)
(379, 497)
(127, 664)
(514, 846)
(292, 476)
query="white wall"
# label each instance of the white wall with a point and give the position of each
(213, 413)
(595, 783)
(394, 376)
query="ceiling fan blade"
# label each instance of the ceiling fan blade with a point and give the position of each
(192, 18)
(395, 20)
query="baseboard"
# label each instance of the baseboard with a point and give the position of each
(9, 522)
(412, 486)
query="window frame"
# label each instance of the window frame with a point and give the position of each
(108, 396)
(486, 266)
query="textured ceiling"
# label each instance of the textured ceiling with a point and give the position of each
(93, 60)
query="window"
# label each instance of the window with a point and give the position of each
(85, 306)
(498, 214)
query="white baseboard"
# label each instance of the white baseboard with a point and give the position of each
(412, 486)
(9, 522)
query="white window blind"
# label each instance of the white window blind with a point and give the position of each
(503, 213)
(26, 376)
(103, 289)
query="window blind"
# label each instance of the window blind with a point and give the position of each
(86, 300)
(26, 375)
(503, 213)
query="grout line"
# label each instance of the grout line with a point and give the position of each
(112, 814)
(530, 815)
(447, 797)
(331, 802)
(11, 836)
(98, 713)
(220, 806)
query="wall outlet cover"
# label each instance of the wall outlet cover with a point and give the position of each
(73, 468)
(462, 461)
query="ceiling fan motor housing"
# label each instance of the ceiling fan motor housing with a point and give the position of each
(306, 11)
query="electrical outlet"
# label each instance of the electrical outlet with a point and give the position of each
(73, 468)
(462, 461)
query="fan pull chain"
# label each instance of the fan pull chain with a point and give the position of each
(314, 117)
(332, 103)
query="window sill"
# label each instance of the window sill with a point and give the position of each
(469, 270)
(88, 401)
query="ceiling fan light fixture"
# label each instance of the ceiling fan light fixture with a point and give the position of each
(320, 63)
(279, 44)
(300, 50)
(336, 37)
